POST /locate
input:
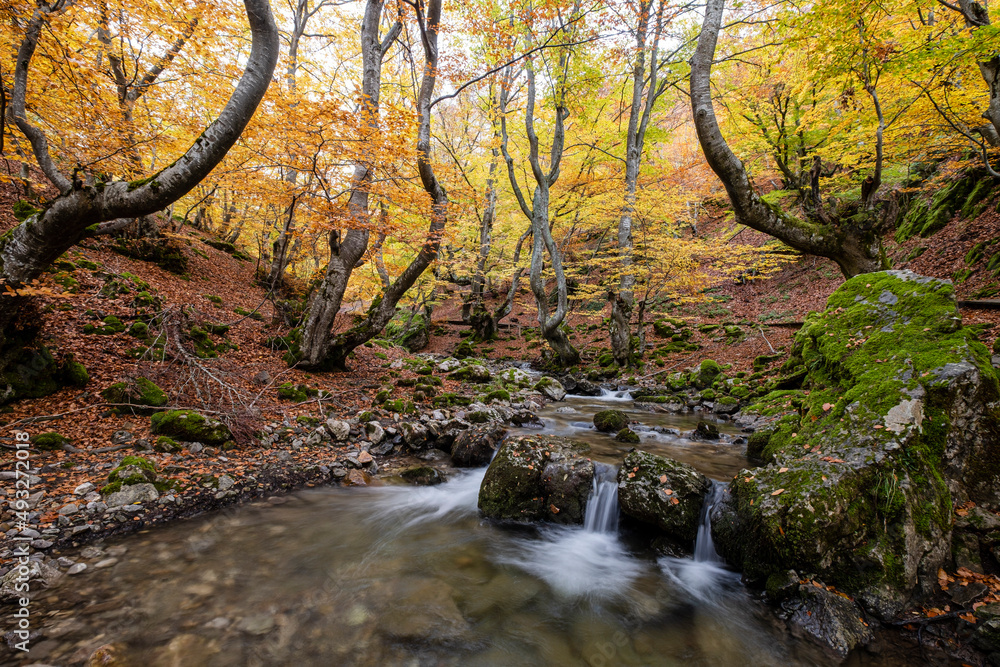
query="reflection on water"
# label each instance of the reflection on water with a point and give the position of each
(409, 576)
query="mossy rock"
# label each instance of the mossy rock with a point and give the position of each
(28, 370)
(628, 436)
(190, 426)
(538, 478)
(139, 330)
(497, 395)
(451, 399)
(464, 350)
(139, 394)
(610, 421)
(74, 374)
(706, 375)
(662, 492)
(472, 373)
(111, 325)
(898, 410)
(49, 441)
(605, 360)
(166, 444)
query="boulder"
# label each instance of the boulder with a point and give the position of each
(610, 421)
(475, 447)
(662, 492)
(139, 394)
(338, 429)
(422, 475)
(538, 478)
(515, 376)
(415, 435)
(189, 426)
(587, 388)
(895, 426)
(551, 387)
(472, 373)
(828, 619)
(374, 432)
(706, 374)
(132, 494)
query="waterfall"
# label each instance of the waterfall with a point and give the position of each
(601, 514)
(704, 548)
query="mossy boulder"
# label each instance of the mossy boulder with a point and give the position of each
(131, 471)
(610, 421)
(139, 394)
(472, 373)
(49, 441)
(551, 387)
(662, 492)
(26, 370)
(628, 436)
(190, 426)
(538, 478)
(706, 375)
(895, 425)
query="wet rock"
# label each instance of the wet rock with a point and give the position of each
(966, 595)
(258, 624)
(627, 436)
(422, 610)
(705, 431)
(338, 429)
(475, 447)
(898, 427)
(987, 637)
(551, 388)
(356, 478)
(537, 478)
(187, 650)
(829, 619)
(109, 655)
(610, 421)
(587, 388)
(662, 492)
(422, 475)
(33, 571)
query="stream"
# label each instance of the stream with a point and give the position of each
(403, 575)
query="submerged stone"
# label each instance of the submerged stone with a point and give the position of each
(662, 492)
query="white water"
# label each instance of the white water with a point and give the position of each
(607, 395)
(601, 515)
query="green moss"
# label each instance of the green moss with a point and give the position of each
(166, 444)
(140, 392)
(217, 300)
(628, 436)
(450, 399)
(190, 426)
(477, 417)
(74, 374)
(610, 421)
(139, 330)
(49, 441)
(497, 395)
(23, 210)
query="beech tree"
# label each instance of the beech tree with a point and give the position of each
(320, 348)
(90, 204)
(854, 245)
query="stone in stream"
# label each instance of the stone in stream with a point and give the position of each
(610, 421)
(662, 492)
(538, 478)
(551, 387)
(422, 610)
(828, 618)
(475, 447)
(863, 471)
(422, 475)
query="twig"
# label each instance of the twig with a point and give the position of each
(761, 329)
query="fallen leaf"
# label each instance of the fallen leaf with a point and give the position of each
(827, 406)
(670, 492)
(663, 479)
(778, 492)
(783, 470)
(675, 501)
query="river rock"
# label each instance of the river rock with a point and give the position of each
(132, 494)
(515, 376)
(33, 571)
(662, 492)
(189, 426)
(475, 447)
(610, 421)
(374, 432)
(422, 610)
(829, 619)
(414, 435)
(538, 478)
(422, 475)
(587, 388)
(551, 388)
(338, 429)
(898, 426)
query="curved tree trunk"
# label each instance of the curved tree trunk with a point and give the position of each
(854, 249)
(79, 209)
(333, 354)
(345, 254)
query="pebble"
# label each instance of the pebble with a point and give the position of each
(67, 510)
(84, 489)
(28, 532)
(41, 544)
(76, 568)
(107, 562)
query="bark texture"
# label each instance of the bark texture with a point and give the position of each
(855, 246)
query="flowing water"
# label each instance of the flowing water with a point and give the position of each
(399, 575)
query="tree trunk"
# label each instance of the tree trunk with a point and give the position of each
(326, 299)
(855, 249)
(79, 210)
(334, 354)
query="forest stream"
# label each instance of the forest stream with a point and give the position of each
(404, 575)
